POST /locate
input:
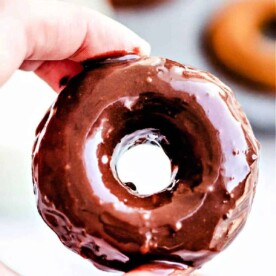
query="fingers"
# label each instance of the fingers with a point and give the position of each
(50, 30)
(13, 46)
(58, 30)
(55, 73)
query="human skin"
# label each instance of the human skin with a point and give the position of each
(36, 36)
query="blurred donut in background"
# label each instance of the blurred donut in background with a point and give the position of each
(241, 38)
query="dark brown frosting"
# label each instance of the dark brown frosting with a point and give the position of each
(200, 126)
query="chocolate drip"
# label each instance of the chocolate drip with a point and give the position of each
(201, 128)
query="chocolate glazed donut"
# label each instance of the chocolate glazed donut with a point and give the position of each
(118, 103)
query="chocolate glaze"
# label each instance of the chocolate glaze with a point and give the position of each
(200, 126)
(63, 81)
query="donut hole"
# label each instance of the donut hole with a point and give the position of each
(140, 163)
(176, 129)
(175, 143)
(268, 29)
(153, 120)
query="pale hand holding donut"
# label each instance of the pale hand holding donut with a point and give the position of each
(51, 38)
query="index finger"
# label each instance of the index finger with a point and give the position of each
(52, 30)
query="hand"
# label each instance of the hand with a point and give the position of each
(52, 38)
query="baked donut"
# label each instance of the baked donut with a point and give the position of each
(118, 103)
(240, 40)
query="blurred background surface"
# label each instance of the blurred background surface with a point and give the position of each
(174, 29)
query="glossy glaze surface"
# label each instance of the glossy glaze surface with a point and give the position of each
(201, 128)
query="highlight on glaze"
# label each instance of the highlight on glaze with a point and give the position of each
(115, 104)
